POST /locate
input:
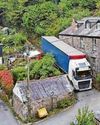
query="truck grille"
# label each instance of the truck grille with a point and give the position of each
(84, 84)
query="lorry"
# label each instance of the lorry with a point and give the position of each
(72, 61)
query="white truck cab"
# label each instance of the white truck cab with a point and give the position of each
(80, 74)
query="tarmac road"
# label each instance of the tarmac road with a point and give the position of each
(89, 98)
(6, 117)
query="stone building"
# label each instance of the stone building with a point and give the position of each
(84, 35)
(41, 93)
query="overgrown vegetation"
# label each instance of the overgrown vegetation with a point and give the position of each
(13, 43)
(66, 102)
(45, 17)
(98, 78)
(39, 69)
(84, 117)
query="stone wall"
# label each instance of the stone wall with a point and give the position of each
(49, 103)
(20, 108)
(92, 55)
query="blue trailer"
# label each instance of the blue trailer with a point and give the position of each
(70, 60)
(61, 51)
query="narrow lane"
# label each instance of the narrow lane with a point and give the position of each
(87, 98)
(6, 117)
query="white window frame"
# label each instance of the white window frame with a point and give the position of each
(98, 25)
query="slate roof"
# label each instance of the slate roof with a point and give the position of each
(82, 30)
(39, 89)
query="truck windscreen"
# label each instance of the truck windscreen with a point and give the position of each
(83, 74)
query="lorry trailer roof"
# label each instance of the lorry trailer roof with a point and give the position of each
(67, 49)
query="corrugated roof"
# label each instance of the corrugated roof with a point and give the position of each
(67, 49)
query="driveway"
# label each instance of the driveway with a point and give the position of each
(87, 98)
(6, 117)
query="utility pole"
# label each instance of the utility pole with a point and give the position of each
(28, 79)
(51, 95)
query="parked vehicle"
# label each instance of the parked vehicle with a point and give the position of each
(33, 54)
(70, 60)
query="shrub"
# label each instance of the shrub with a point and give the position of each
(98, 78)
(2, 67)
(84, 117)
(65, 102)
(43, 68)
(6, 81)
(39, 69)
(19, 73)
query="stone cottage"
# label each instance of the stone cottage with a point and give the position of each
(84, 35)
(41, 93)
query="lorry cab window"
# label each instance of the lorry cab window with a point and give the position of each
(83, 74)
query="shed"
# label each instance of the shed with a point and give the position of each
(41, 93)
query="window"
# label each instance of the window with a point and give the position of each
(98, 25)
(82, 43)
(87, 25)
(93, 60)
(93, 44)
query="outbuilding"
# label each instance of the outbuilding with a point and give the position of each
(40, 93)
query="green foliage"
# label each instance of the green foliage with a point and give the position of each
(43, 68)
(3, 67)
(97, 12)
(98, 78)
(19, 73)
(39, 69)
(89, 4)
(17, 38)
(84, 117)
(13, 42)
(44, 17)
(66, 102)
(37, 18)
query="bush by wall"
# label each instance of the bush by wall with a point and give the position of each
(6, 81)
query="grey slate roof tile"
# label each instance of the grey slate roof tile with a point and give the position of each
(82, 30)
(40, 89)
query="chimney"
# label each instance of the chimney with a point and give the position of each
(74, 25)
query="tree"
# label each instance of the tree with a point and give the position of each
(13, 42)
(84, 117)
(89, 4)
(39, 17)
(97, 12)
